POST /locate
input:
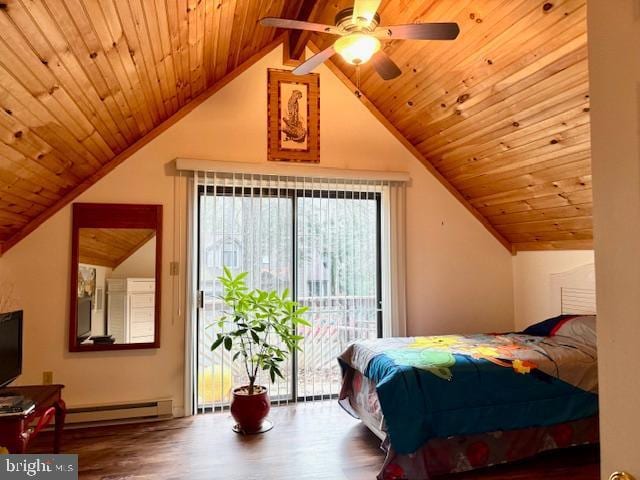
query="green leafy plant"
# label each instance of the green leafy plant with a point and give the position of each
(259, 328)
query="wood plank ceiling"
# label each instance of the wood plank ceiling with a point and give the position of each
(109, 247)
(501, 113)
(83, 80)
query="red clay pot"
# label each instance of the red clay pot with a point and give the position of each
(250, 410)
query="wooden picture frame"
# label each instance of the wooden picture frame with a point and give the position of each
(114, 216)
(293, 116)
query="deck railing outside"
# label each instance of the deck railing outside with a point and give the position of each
(336, 321)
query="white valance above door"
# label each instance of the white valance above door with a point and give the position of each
(287, 170)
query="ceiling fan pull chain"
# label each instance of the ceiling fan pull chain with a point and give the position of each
(358, 92)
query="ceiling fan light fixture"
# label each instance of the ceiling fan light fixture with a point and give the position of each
(357, 48)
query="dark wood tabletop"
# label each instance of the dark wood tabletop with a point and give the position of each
(39, 394)
(16, 431)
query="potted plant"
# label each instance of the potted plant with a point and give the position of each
(259, 328)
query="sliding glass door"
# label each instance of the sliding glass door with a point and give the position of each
(337, 239)
(320, 240)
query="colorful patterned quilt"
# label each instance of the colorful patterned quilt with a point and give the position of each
(441, 456)
(437, 387)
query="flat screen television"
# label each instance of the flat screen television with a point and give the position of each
(10, 347)
(84, 318)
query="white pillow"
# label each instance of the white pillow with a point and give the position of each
(581, 328)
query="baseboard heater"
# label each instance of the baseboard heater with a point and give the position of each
(121, 412)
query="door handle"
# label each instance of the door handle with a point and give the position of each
(621, 476)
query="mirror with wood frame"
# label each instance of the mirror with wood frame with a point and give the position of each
(115, 277)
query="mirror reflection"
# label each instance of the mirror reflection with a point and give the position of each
(116, 285)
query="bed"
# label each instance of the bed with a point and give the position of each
(453, 403)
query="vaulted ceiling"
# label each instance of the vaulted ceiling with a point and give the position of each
(109, 247)
(502, 112)
(500, 115)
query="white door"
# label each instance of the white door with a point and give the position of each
(614, 64)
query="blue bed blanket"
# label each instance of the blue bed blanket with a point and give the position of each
(436, 387)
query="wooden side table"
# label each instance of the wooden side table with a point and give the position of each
(16, 430)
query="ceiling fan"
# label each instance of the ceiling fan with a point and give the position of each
(360, 36)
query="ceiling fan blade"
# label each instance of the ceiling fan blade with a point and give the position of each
(277, 22)
(419, 31)
(385, 67)
(313, 62)
(364, 11)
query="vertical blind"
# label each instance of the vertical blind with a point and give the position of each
(320, 238)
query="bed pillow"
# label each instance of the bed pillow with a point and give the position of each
(580, 326)
(547, 327)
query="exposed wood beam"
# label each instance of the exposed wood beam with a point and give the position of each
(296, 40)
(151, 135)
(291, 10)
(414, 151)
(286, 56)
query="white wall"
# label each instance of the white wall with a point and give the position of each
(532, 296)
(459, 276)
(141, 264)
(614, 65)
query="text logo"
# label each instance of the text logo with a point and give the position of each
(39, 466)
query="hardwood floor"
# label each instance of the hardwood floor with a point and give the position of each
(310, 441)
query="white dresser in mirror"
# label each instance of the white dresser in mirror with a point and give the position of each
(130, 309)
